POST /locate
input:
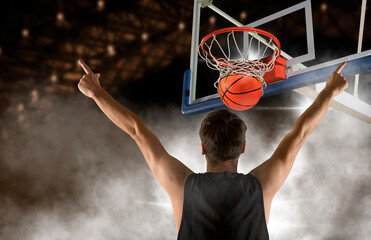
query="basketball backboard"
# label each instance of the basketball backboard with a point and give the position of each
(305, 71)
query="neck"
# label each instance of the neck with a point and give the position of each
(229, 166)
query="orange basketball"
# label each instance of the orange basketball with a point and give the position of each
(240, 92)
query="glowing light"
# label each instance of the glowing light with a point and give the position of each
(1, 50)
(100, 5)
(25, 33)
(252, 55)
(54, 78)
(60, 16)
(144, 36)
(243, 15)
(34, 96)
(20, 107)
(181, 26)
(212, 20)
(111, 50)
(324, 7)
(158, 204)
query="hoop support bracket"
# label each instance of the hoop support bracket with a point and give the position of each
(205, 3)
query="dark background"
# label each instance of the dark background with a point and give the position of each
(66, 172)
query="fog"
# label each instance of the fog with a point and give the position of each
(67, 172)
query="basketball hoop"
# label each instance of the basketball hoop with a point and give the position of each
(255, 61)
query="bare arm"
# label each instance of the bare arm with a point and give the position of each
(273, 172)
(170, 172)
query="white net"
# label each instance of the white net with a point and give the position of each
(252, 60)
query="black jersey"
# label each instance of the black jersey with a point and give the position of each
(223, 205)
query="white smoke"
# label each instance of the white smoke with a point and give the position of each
(68, 173)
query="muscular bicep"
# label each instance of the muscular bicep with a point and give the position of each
(274, 171)
(169, 171)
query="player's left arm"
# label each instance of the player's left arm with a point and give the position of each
(273, 172)
(170, 172)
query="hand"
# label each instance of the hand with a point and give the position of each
(337, 82)
(89, 83)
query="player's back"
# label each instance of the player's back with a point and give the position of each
(223, 205)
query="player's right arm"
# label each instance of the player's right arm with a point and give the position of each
(273, 172)
(169, 171)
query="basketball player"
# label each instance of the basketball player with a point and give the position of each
(221, 203)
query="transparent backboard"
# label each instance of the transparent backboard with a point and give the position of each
(305, 70)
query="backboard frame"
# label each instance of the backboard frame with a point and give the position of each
(292, 63)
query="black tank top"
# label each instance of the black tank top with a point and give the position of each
(223, 205)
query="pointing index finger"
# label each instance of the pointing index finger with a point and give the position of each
(340, 67)
(85, 67)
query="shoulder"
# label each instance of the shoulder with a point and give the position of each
(253, 178)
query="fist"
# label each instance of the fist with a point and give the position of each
(89, 83)
(337, 83)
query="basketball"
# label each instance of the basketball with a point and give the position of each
(240, 92)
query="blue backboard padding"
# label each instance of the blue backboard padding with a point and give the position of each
(305, 77)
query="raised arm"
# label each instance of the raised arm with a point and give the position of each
(273, 172)
(170, 172)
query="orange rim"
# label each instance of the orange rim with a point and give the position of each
(240, 29)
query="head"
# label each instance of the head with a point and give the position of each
(222, 136)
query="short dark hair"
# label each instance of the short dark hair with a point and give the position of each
(223, 135)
